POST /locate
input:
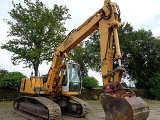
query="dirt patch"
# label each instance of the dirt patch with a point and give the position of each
(96, 111)
(154, 106)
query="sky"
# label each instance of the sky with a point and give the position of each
(139, 13)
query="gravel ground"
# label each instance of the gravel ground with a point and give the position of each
(96, 113)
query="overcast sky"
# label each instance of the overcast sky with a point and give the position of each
(140, 13)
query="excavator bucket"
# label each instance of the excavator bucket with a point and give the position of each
(117, 108)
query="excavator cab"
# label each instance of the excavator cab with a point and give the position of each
(72, 82)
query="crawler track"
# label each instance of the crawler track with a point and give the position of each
(38, 107)
(84, 107)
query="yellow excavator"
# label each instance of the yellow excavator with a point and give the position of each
(54, 93)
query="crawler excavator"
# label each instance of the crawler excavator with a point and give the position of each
(53, 94)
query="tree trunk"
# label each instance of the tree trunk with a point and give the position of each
(36, 69)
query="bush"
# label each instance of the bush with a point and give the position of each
(90, 83)
(154, 84)
(11, 80)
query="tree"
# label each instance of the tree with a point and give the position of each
(92, 48)
(2, 73)
(154, 84)
(90, 83)
(78, 54)
(12, 80)
(141, 55)
(37, 31)
(87, 54)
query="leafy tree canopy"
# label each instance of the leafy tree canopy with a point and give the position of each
(92, 48)
(154, 85)
(141, 56)
(79, 55)
(36, 31)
